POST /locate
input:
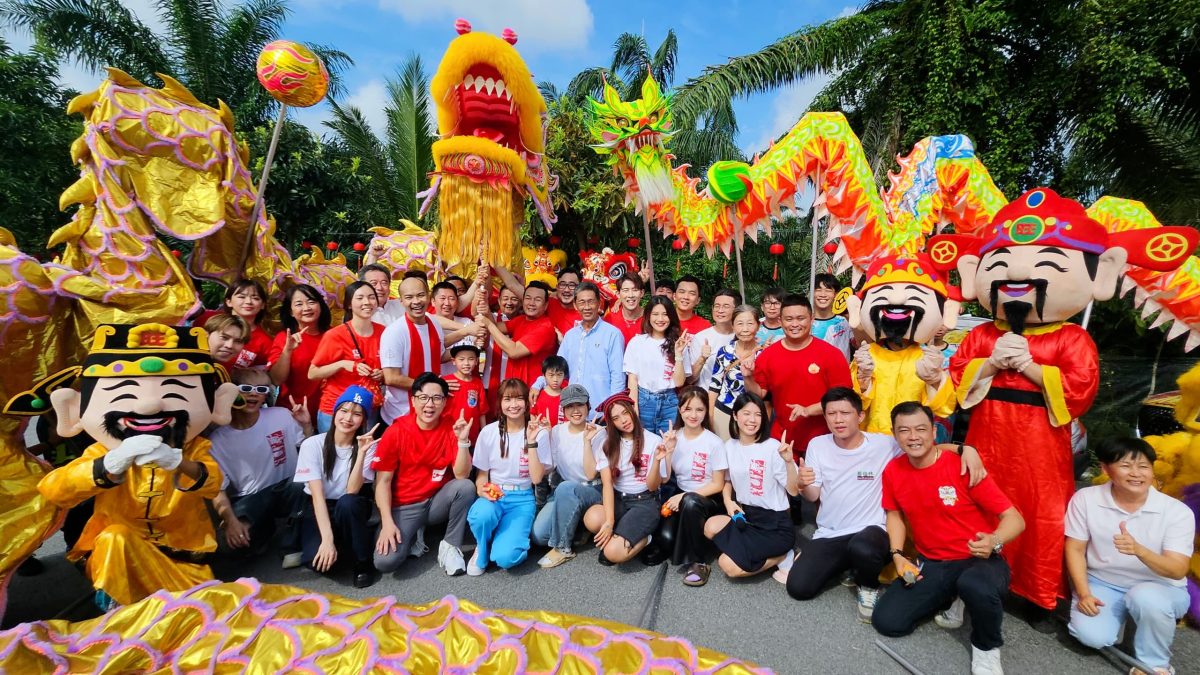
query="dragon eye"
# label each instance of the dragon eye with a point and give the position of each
(654, 118)
(616, 271)
(622, 122)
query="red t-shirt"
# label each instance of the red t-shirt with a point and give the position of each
(943, 512)
(471, 400)
(297, 384)
(628, 328)
(257, 348)
(337, 345)
(562, 316)
(538, 337)
(800, 377)
(695, 324)
(549, 405)
(421, 459)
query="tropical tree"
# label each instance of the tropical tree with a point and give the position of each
(207, 45)
(395, 166)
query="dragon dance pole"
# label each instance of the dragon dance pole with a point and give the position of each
(262, 186)
(812, 266)
(737, 249)
(649, 252)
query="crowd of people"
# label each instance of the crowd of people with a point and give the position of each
(540, 418)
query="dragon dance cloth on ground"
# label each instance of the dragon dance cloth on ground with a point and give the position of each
(247, 627)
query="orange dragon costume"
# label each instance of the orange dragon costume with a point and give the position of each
(1040, 262)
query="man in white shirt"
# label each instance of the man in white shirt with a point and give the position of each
(720, 334)
(257, 456)
(380, 279)
(409, 347)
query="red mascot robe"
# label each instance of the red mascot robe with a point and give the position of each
(1023, 435)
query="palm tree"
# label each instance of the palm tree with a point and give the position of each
(397, 166)
(209, 47)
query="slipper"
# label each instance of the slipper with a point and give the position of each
(697, 575)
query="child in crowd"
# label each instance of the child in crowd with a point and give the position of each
(556, 372)
(772, 316)
(331, 467)
(469, 398)
(830, 327)
(576, 485)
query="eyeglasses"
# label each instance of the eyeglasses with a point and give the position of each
(585, 303)
(772, 302)
(569, 285)
(254, 388)
(425, 398)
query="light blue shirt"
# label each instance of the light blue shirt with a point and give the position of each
(595, 359)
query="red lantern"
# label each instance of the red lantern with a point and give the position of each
(555, 240)
(677, 244)
(776, 249)
(359, 246)
(306, 245)
(175, 253)
(332, 246)
(830, 248)
(593, 240)
(634, 242)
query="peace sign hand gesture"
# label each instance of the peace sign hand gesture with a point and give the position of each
(300, 411)
(682, 343)
(785, 447)
(293, 341)
(367, 439)
(536, 424)
(590, 431)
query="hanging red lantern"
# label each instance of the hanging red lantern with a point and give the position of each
(677, 244)
(830, 248)
(555, 240)
(306, 245)
(176, 253)
(776, 249)
(359, 246)
(332, 246)
(634, 242)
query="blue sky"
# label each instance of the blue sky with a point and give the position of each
(557, 38)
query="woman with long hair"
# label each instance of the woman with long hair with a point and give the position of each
(247, 299)
(349, 354)
(631, 471)
(508, 454)
(657, 362)
(330, 465)
(757, 533)
(696, 456)
(305, 318)
(728, 377)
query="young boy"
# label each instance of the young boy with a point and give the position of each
(556, 372)
(826, 325)
(470, 397)
(772, 310)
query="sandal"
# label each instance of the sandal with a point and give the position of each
(697, 575)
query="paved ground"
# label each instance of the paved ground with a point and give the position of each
(753, 619)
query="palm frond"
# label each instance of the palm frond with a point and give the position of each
(355, 133)
(631, 57)
(194, 27)
(337, 62)
(663, 63)
(409, 133)
(549, 91)
(590, 82)
(701, 148)
(248, 27)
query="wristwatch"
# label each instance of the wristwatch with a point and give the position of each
(897, 551)
(999, 545)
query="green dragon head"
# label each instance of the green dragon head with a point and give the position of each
(633, 135)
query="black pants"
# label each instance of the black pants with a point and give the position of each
(981, 583)
(682, 534)
(348, 517)
(865, 553)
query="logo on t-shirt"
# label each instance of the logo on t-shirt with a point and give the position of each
(699, 466)
(813, 369)
(758, 476)
(244, 359)
(948, 495)
(472, 398)
(640, 472)
(523, 471)
(278, 447)
(438, 475)
(865, 475)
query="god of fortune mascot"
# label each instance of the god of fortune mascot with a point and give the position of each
(1029, 373)
(900, 307)
(145, 394)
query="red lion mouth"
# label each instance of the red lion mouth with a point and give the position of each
(487, 110)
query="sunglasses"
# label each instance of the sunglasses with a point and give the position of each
(254, 388)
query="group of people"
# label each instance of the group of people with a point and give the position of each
(538, 417)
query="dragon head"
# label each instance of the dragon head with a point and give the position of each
(633, 135)
(605, 269)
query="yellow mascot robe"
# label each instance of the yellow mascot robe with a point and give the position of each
(895, 381)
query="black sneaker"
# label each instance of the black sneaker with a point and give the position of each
(653, 555)
(364, 575)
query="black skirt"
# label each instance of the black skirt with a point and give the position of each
(765, 534)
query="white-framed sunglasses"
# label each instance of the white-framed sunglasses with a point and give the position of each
(254, 388)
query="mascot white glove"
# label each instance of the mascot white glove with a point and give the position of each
(118, 460)
(164, 456)
(929, 368)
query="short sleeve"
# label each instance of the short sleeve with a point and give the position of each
(989, 496)
(889, 496)
(544, 452)
(812, 459)
(1180, 533)
(276, 351)
(717, 459)
(488, 439)
(329, 350)
(598, 450)
(392, 347)
(386, 453)
(652, 442)
(778, 464)
(762, 369)
(1076, 521)
(629, 360)
(294, 433)
(368, 460)
(540, 338)
(308, 464)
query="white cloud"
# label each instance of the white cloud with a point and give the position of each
(370, 99)
(848, 10)
(786, 109)
(541, 25)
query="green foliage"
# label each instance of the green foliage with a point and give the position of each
(35, 141)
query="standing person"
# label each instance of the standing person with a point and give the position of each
(827, 326)
(631, 470)
(555, 374)
(349, 354)
(468, 397)
(958, 530)
(422, 469)
(226, 337)
(411, 346)
(305, 318)
(257, 455)
(247, 299)
(698, 465)
(527, 339)
(508, 456)
(796, 372)
(665, 288)
(1128, 547)
(561, 309)
(757, 533)
(331, 466)
(569, 452)
(708, 341)
(687, 297)
(728, 379)
(594, 349)
(456, 329)
(380, 278)
(626, 315)
(772, 321)
(495, 365)
(656, 363)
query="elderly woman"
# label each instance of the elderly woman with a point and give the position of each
(1127, 552)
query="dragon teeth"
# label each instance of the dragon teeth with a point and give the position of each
(500, 88)
(469, 82)
(490, 84)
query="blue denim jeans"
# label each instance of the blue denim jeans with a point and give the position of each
(1153, 606)
(556, 523)
(657, 409)
(501, 528)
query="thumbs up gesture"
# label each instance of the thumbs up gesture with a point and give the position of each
(1125, 542)
(806, 474)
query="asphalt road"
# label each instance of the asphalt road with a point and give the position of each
(751, 619)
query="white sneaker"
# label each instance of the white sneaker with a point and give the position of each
(473, 568)
(866, 603)
(418, 547)
(781, 570)
(451, 559)
(985, 662)
(292, 560)
(951, 618)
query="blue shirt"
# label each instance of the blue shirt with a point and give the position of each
(595, 359)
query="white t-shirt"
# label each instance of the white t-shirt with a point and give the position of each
(694, 461)
(851, 483)
(510, 470)
(758, 474)
(1162, 524)
(394, 353)
(715, 341)
(566, 453)
(644, 358)
(254, 459)
(309, 466)
(628, 481)
(389, 313)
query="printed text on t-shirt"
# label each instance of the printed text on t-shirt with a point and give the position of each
(758, 475)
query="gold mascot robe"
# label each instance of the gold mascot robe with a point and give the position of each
(150, 532)
(1023, 435)
(895, 381)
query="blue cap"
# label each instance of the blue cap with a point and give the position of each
(355, 394)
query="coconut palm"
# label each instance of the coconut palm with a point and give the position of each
(397, 165)
(207, 45)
